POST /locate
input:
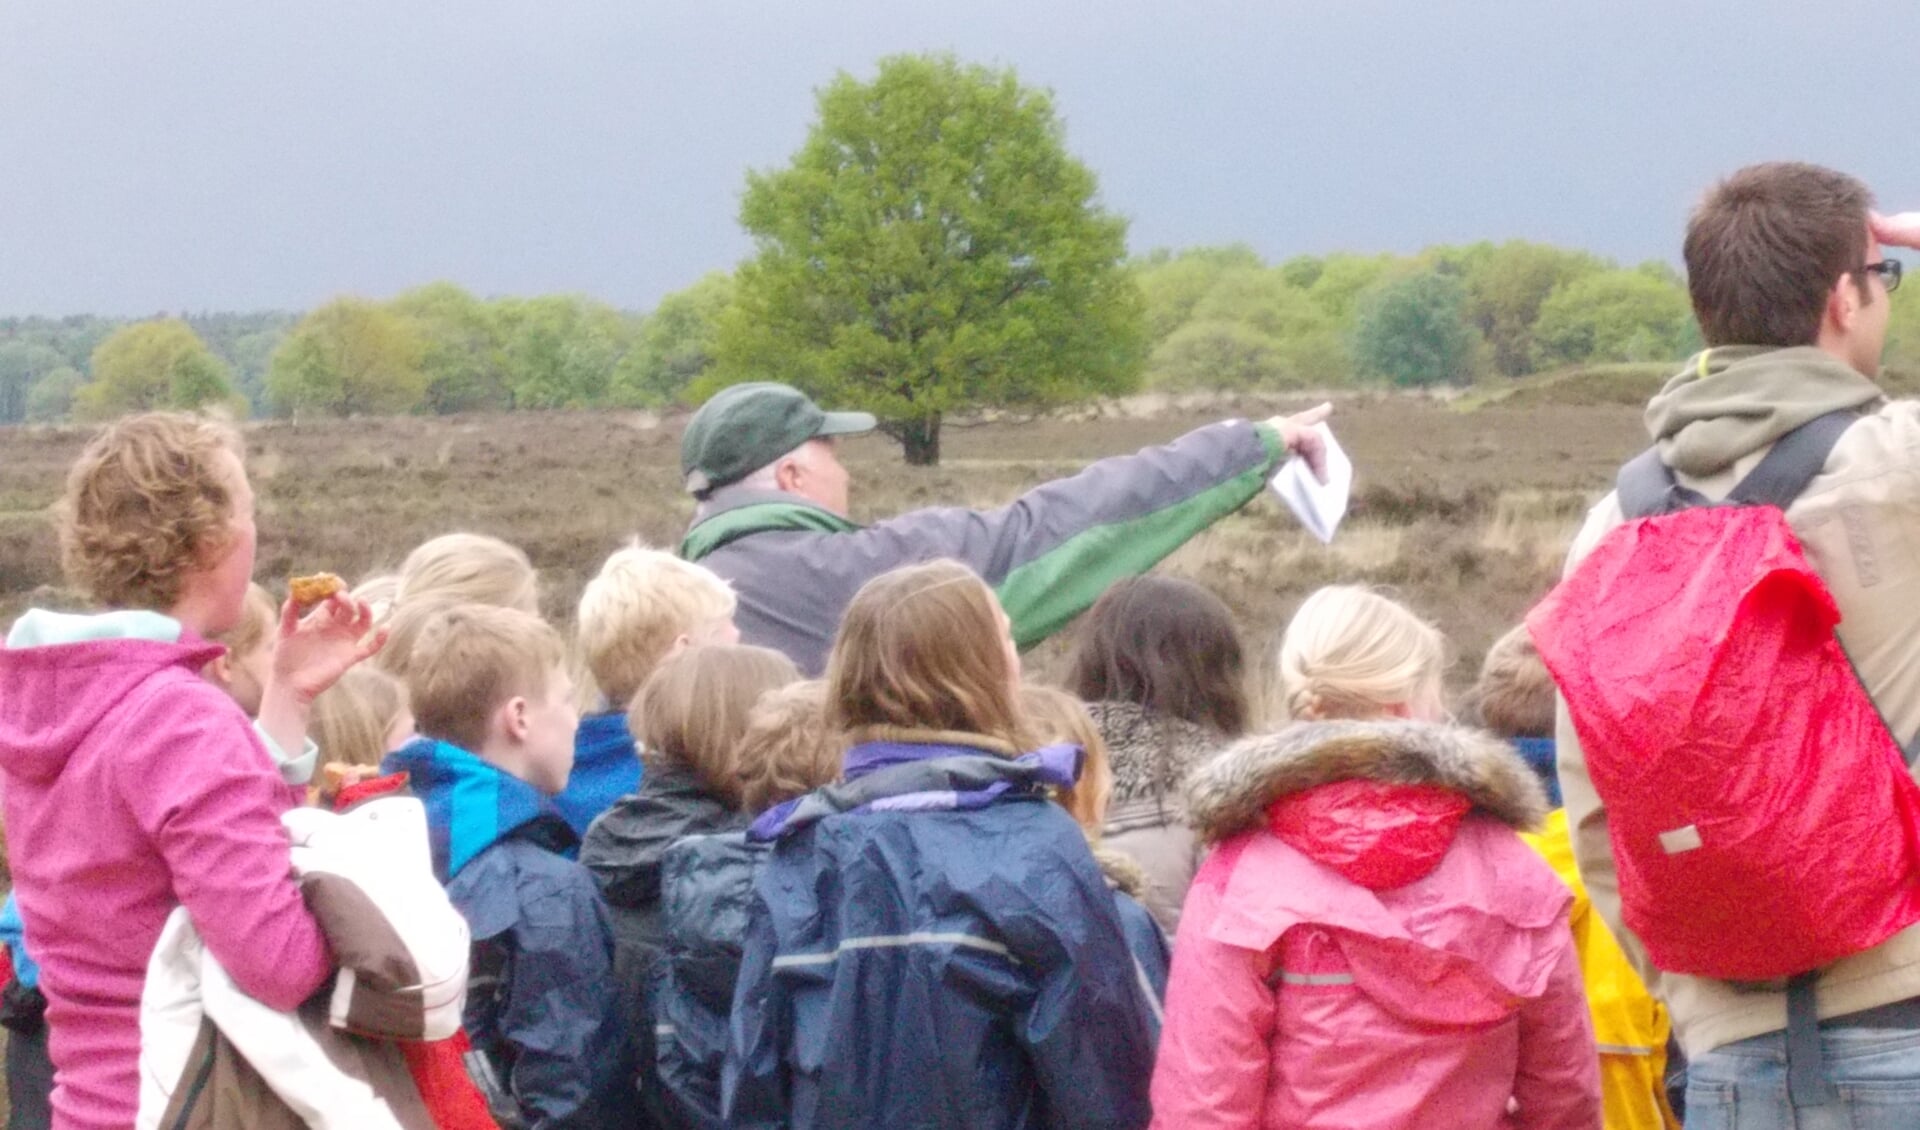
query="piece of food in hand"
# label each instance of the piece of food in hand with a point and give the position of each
(309, 591)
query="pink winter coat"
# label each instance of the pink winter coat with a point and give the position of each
(131, 787)
(1370, 945)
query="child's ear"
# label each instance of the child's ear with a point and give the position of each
(220, 671)
(513, 718)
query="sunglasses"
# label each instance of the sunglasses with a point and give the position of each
(1888, 270)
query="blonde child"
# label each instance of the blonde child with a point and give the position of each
(644, 606)
(706, 886)
(494, 709)
(934, 909)
(1057, 716)
(1369, 942)
(243, 671)
(690, 718)
(1515, 700)
(357, 723)
(470, 568)
(132, 785)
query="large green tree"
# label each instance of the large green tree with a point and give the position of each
(932, 248)
(1412, 330)
(349, 357)
(1507, 284)
(150, 365)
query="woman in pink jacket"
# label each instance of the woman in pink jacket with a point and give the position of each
(131, 785)
(1370, 945)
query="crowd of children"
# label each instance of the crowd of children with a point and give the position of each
(922, 891)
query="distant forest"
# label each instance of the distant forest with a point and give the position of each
(1213, 318)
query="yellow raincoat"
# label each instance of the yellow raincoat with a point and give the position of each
(1628, 1024)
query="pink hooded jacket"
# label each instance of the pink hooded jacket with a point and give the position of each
(131, 787)
(1370, 945)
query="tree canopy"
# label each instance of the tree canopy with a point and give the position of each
(152, 365)
(349, 357)
(933, 247)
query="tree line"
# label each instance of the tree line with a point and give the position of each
(1210, 318)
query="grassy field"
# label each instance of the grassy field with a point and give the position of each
(1464, 514)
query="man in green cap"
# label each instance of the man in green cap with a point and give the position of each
(772, 518)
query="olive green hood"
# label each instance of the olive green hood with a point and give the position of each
(1732, 401)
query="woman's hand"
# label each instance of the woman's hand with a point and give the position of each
(310, 654)
(314, 650)
(1298, 434)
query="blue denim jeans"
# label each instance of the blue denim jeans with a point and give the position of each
(1875, 1074)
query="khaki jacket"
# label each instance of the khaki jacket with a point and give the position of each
(1860, 523)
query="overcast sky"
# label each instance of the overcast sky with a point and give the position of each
(213, 155)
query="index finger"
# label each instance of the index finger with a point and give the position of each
(1312, 416)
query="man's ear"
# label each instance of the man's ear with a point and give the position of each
(1843, 303)
(787, 474)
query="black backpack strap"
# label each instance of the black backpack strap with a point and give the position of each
(1793, 461)
(1646, 487)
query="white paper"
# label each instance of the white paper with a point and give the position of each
(1318, 505)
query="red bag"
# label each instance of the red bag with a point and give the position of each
(1761, 815)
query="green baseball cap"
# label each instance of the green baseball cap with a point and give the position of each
(747, 426)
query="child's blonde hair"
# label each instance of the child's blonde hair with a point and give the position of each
(471, 658)
(473, 568)
(1056, 716)
(1515, 696)
(921, 648)
(146, 501)
(633, 610)
(787, 750)
(1350, 652)
(378, 593)
(259, 618)
(352, 718)
(693, 711)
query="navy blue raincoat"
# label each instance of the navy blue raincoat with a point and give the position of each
(541, 1009)
(931, 945)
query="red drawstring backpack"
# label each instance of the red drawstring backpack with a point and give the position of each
(1761, 815)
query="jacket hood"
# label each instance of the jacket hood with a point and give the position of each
(1732, 401)
(924, 775)
(64, 674)
(627, 845)
(471, 805)
(1232, 792)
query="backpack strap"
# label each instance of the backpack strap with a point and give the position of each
(1793, 462)
(1646, 486)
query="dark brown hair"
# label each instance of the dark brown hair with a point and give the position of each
(1765, 247)
(1165, 644)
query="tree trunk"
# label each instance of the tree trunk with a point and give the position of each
(920, 439)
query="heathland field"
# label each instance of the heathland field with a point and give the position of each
(1463, 513)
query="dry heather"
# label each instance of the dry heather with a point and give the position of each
(1463, 514)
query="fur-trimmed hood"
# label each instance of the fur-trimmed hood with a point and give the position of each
(1231, 792)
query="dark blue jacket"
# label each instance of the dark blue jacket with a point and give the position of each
(540, 1006)
(706, 894)
(606, 767)
(931, 945)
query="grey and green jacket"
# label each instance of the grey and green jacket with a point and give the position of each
(1048, 554)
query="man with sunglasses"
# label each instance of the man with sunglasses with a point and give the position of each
(1792, 294)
